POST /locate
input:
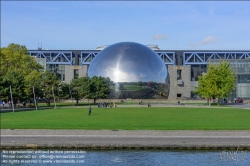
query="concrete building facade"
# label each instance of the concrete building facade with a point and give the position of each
(184, 67)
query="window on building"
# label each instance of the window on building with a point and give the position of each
(76, 73)
(59, 70)
(178, 95)
(178, 74)
(197, 70)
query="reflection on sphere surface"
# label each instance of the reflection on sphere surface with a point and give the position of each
(134, 71)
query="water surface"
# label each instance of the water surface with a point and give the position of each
(124, 157)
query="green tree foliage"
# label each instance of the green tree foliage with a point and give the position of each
(34, 79)
(207, 84)
(4, 88)
(79, 88)
(50, 80)
(16, 57)
(63, 92)
(218, 82)
(226, 81)
(98, 88)
(94, 88)
(19, 70)
(17, 82)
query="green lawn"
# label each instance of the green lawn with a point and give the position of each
(130, 119)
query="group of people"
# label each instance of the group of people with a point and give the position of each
(106, 105)
(239, 100)
(141, 103)
(102, 105)
(6, 104)
(181, 103)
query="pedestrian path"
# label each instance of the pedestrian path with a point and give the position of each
(125, 139)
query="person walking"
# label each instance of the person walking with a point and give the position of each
(90, 109)
(3, 103)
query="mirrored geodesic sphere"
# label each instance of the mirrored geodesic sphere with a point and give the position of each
(134, 71)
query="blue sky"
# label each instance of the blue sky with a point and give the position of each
(200, 25)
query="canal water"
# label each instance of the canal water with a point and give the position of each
(74, 157)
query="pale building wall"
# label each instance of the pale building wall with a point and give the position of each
(185, 88)
(69, 72)
(83, 71)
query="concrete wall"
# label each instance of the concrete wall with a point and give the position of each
(185, 88)
(83, 71)
(69, 72)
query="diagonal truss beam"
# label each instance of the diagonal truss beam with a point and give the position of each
(54, 57)
(167, 57)
(191, 58)
(86, 57)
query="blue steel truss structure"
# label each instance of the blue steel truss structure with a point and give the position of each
(167, 57)
(202, 58)
(189, 58)
(54, 57)
(87, 56)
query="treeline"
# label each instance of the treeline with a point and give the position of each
(20, 71)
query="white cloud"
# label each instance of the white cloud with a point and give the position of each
(160, 37)
(206, 40)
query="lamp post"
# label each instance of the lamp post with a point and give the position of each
(88, 87)
(34, 97)
(54, 97)
(12, 100)
(71, 95)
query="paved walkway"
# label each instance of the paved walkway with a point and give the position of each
(124, 139)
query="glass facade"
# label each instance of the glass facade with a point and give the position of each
(197, 70)
(58, 69)
(242, 69)
(42, 62)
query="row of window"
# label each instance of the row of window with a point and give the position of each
(60, 71)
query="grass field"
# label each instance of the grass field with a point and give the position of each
(130, 119)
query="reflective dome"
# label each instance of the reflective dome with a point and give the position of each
(134, 70)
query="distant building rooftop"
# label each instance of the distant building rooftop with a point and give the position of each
(153, 47)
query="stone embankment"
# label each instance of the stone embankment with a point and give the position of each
(125, 139)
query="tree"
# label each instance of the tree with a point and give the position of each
(4, 88)
(79, 88)
(34, 79)
(218, 82)
(98, 88)
(16, 57)
(64, 92)
(50, 81)
(16, 66)
(226, 81)
(16, 80)
(207, 86)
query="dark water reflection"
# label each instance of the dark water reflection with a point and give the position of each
(124, 158)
